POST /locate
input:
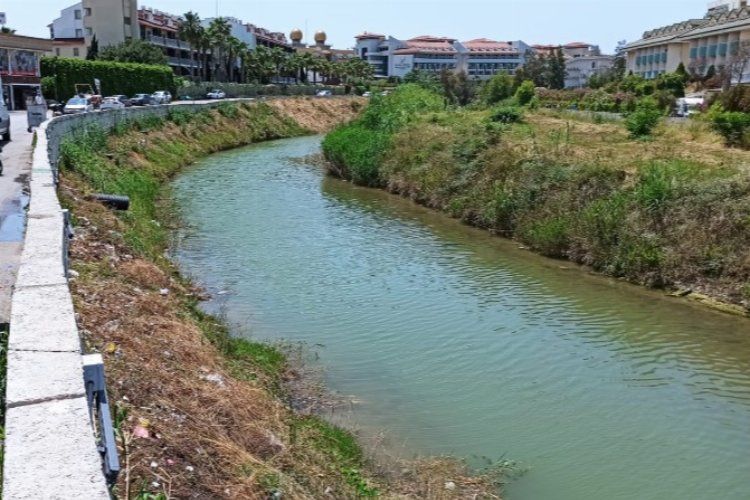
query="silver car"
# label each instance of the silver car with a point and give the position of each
(161, 97)
(78, 104)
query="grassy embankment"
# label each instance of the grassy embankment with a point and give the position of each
(670, 211)
(201, 414)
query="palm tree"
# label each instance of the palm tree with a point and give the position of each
(278, 56)
(235, 47)
(192, 32)
(306, 61)
(219, 32)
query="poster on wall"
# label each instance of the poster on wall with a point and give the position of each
(4, 69)
(23, 62)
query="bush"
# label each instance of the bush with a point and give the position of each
(525, 93)
(507, 114)
(732, 125)
(642, 121)
(498, 88)
(356, 149)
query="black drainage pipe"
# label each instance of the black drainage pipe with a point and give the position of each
(113, 201)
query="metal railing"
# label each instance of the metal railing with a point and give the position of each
(100, 414)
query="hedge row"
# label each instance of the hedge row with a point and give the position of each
(61, 74)
(197, 91)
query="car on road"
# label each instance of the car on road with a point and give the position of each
(216, 94)
(324, 93)
(125, 100)
(78, 104)
(4, 120)
(111, 103)
(161, 97)
(141, 100)
(367, 94)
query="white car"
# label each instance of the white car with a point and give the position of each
(216, 94)
(78, 104)
(324, 93)
(111, 103)
(161, 97)
(367, 94)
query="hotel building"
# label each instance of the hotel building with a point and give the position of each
(480, 58)
(713, 40)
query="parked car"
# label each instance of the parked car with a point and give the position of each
(324, 93)
(161, 97)
(141, 100)
(4, 120)
(111, 103)
(78, 104)
(124, 100)
(54, 106)
(216, 94)
(367, 94)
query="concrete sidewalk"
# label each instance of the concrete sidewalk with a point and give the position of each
(16, 157)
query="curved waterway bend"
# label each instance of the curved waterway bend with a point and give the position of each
(454, 341)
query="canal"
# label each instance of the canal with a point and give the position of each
(454, 341)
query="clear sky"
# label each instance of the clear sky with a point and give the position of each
(602, 22)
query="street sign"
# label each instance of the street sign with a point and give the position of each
(2, 18)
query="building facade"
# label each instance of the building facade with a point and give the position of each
(721, 39)
(480, 58)
(66, 33)
(111, 21)
(19, 67)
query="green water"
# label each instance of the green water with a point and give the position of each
(453, 341)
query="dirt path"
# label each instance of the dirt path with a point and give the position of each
(16, 157)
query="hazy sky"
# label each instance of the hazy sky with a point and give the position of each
(601, 22)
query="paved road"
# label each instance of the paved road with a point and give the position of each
(16, 157)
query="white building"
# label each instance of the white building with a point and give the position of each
(479, 58)
(580, 69)
(714, 40)
(66, 32)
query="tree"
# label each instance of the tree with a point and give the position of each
(192, 32)
(736, 65)
(500, 87)
(133, 51)
(93, 53)
(555, 70)
(219, 31)
(525, 93)
(7, 31)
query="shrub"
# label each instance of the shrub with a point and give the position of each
(507, 114)
(498, 88)
(642, 121)
(732, 125)
(525, 93)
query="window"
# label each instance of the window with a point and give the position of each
(79, 33)
(57, 51)
(75, 52)
(126, 21)
(89, 32)
(694, 53)
(77, 14)
(88, 11)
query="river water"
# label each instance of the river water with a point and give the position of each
(454, 341)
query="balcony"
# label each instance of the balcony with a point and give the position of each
(168, 42)
(181, 61)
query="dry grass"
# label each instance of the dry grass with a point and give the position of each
(319, 114)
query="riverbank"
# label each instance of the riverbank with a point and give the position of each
(199, 413)
(666, 212)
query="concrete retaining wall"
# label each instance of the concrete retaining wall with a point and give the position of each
(50, 449)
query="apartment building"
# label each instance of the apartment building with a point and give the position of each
(718, 39)
(161, 29)
(582, 61)
(111, 21)
(66, 33)
(480, 58)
